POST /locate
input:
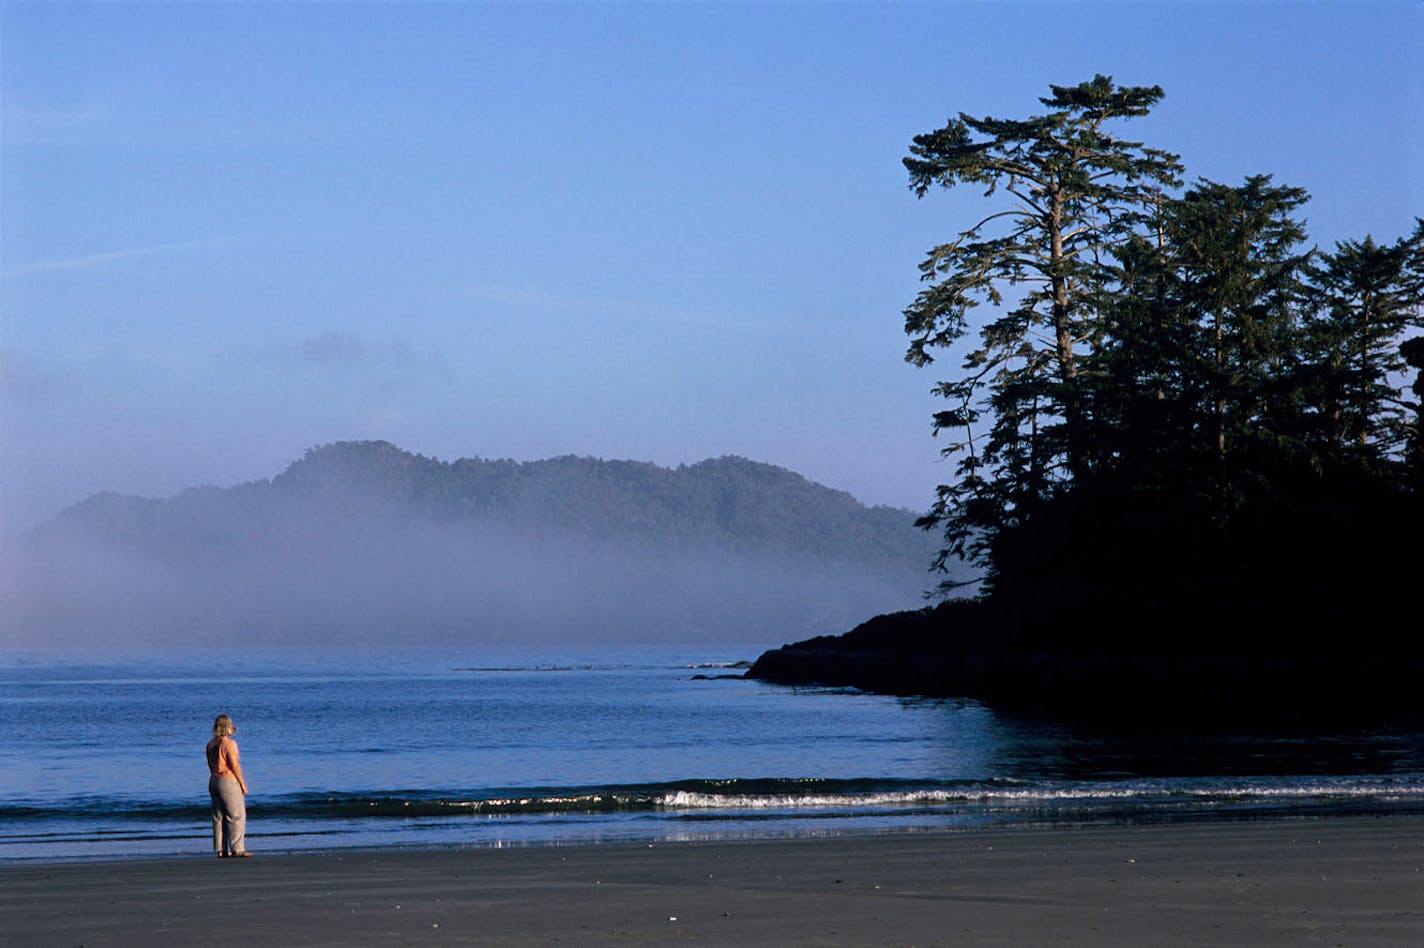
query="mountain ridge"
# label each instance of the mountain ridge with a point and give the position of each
(460, 546)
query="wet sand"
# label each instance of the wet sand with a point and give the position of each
(1336, 881)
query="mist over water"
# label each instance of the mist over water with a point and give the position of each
(367, 544)
(428, 587)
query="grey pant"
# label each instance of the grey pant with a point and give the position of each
(229, 815)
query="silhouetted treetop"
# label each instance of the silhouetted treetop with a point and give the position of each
(1176, 359)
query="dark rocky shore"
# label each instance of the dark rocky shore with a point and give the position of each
(973, 649)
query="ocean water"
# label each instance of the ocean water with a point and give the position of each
(101, 754)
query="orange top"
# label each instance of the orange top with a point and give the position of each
(223, 762)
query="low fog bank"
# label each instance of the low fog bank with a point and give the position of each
(375, 546)
(429, 587)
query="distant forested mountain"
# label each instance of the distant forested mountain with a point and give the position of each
(365, 542)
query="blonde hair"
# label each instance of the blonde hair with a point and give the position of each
(223, 726)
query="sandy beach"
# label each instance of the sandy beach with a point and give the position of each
(1336, 881)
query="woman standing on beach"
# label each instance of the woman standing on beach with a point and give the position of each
(228, 789)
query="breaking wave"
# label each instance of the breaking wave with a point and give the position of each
(740, 798)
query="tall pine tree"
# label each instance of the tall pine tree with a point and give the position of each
(1365, 297)
(1073, 189)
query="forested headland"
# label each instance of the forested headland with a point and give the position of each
(1187, 442)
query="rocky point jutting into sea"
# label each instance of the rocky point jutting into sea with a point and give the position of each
(974, 648)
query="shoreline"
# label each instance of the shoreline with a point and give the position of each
(1354, 879)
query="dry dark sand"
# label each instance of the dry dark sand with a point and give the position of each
(1338, 881)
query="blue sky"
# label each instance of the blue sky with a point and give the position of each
(654, 231)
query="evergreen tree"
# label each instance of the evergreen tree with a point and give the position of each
(1413, 352)
(1074, 190)
(1365, 296)
(1146, 387)
(1236, 282)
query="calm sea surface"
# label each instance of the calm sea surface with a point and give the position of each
(102, 755)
